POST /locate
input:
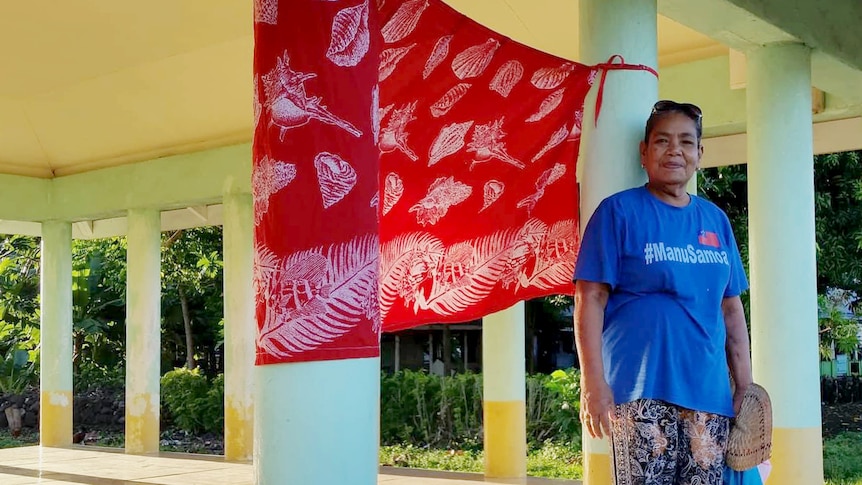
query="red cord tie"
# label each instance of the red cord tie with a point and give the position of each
(611, 65)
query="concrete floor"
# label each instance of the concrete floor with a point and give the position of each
(96, 466)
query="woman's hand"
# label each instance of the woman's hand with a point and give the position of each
(738, 394)
(597, 408)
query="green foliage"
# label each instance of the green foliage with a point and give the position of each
(19, 292)
(192, 275)
(550, 460)
(90, 376)
(838, 206)
(842, 460)
(17, 372)
(421, 408)
(553, 406)
(424, 409)
(191, 402)
(98, 304)
(837, 328)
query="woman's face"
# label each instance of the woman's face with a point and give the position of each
(672, 152)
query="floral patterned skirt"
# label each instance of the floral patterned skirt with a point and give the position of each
(657, 443)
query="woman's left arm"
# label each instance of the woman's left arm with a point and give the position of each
(737, 347)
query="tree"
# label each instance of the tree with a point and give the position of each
(838, 205)
(192, 265)
(98, 302)
(19, 293)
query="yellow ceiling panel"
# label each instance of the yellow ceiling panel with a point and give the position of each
(181, 100)
(49, 44)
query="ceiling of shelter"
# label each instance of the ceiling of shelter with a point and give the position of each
(88, 84)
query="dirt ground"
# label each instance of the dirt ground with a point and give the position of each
(838, 418)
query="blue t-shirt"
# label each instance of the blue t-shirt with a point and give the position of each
(668, 268)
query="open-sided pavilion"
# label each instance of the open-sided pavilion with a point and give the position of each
(127, 118)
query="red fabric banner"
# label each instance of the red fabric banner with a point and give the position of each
(314, 178)
(478, 137)
(423, 157)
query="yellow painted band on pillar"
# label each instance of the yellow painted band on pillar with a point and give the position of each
(142, 425)
(55, 418)
(796, 456)
(598, 469)
(239, 433)
(505, 439)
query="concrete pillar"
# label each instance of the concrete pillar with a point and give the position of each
(55, 409)
(782, 256)
(504, 391)
(317, 422)
(240, 328)
(143, 326)
(610, 160)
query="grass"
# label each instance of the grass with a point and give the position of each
(842, 459)
(549, 461)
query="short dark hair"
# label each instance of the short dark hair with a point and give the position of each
(666, 106)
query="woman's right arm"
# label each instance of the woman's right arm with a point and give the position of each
(597, 400)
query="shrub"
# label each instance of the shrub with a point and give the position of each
(91, 376)
(423, 409)
(17, 372)
(191, 403)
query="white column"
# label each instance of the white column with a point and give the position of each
(317, 422)
(143, 325)
(610, 160)
(782, 256)
(504, 391)
(240, 328)
(55, 410)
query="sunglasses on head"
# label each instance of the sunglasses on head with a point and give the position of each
(689, 109)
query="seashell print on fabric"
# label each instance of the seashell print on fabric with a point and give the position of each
(457, 265)
(394, 135)
(269, 177)
(404, 21)
(575, 134)
(393, 189)
(488, 144)
(335, 176)
(289, 104)
(375, 201)
(449, 141)
(551, 77)
(558, 137)
(444, 193)
(473, 61)
(492, 191)
(385, 111)
(507, 77)
(389, 60)
(445, 103)
(350, 36)
(266, 11)
(548, 104)
(438, 55)
(548, 177)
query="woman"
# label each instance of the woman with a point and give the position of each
(658, 318)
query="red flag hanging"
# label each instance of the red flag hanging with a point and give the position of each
(314, 179)
(478, 137)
